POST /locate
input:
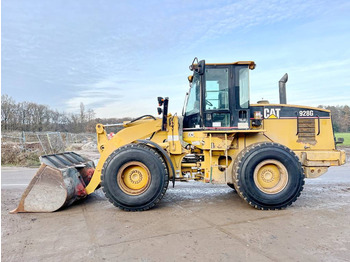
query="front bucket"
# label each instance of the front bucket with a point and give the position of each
(60, 181)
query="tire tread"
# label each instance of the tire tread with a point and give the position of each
(236, 174)
(131, 147)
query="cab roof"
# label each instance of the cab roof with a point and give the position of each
(250, 64)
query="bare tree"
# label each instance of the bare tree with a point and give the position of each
(7, 110)
(90, 115)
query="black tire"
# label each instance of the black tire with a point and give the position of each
(232, 186)
(255, 163)
(113, 173)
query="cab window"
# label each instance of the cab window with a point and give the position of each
(216, 93)
(192, 106)
(244, 87)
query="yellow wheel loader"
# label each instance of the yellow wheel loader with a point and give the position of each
(264, 151)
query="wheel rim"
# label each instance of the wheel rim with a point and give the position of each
(134, 178)
(271, 176)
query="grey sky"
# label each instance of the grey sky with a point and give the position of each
(117, 56)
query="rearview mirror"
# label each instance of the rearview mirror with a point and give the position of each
(201, 67)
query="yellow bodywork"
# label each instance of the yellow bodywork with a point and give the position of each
(219, 148)
(132, 132)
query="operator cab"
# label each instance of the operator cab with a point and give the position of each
(218, 97)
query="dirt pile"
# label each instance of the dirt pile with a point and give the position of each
(14, 154)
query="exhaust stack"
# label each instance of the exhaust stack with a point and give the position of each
(282, 87)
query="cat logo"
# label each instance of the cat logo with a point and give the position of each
(272, 113)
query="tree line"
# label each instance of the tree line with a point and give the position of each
(29, 116)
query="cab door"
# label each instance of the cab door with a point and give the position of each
(216, 98)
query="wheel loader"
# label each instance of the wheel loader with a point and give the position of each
(264, 151)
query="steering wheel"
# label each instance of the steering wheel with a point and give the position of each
(207, 102)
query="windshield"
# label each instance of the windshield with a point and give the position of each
(192, 106)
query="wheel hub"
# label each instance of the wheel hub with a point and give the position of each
(271, 176)
(134, 178)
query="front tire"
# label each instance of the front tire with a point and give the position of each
(134, 177)
(268, 176)
(232, 186)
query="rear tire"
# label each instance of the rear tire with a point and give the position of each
(268, 176)
(134, 177)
